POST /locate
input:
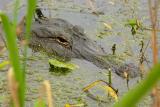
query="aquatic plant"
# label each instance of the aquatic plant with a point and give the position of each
(14, 55)
(137, 93)
(10, 36)
(63, 65)
(60, 68)
(107, 87)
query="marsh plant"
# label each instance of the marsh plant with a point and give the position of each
(17, 72)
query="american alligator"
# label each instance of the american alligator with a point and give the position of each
(60, 38)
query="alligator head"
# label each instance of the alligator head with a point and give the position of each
(59, 38)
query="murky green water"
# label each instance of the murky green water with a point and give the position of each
(68, 88)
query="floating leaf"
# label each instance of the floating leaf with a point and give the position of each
(132, 22)
(59, 64)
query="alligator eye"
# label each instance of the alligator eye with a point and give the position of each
(62, 41)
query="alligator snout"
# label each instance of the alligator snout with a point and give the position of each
(127, 70)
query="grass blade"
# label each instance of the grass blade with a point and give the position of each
(16, 6)
(13, 55)
(30, 13)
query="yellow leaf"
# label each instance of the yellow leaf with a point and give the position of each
(108, 26)
(91, 85)
(68, 105)
(106, 87)
(111, 92)
(78, 105)
(3, 64)
(74, 105)
(125, 75)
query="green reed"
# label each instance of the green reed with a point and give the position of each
(30, 13)
(10, 36)
(11, 41)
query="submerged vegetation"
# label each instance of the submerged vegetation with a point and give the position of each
(17, 69)
(61, 68)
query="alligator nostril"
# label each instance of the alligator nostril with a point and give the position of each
(130, 69)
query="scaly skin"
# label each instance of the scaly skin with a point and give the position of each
(59, 38)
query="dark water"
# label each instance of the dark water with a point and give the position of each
(68, 88)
